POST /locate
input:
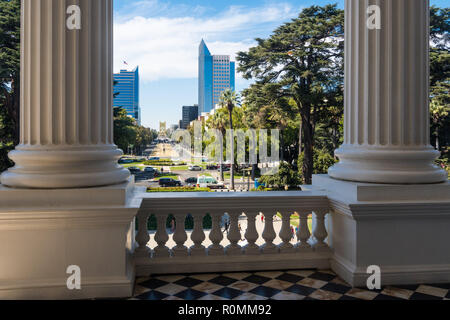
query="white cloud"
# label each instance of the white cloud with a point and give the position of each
(167, 46)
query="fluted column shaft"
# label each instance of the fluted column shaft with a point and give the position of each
(66, 99)
(386, 120)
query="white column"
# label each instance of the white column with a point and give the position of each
(66, 102)
(386, 125)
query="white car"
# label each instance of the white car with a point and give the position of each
(195, 168)
(209, 182)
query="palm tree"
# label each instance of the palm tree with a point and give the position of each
(229, 99)
(219, 122)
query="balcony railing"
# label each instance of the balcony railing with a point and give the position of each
(251, 243)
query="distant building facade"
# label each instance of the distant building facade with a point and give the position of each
(216, 73)
(189, 113)
(127, 87)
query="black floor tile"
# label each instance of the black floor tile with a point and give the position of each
(411, 287)
(188, 282)
(223, 281)
(228, 293)
(152, 295)
(256, 279)
(322, 276)
(299, 289)
(265, 291)
(440, 285)
(288, 277)
(344, 297)
(386, 297)
(153, 283)
(335, 287)
(422, 296)
(190, 294)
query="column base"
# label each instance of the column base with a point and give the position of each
(385, 165)
(60, 167)
(53, 229)
(402, 229)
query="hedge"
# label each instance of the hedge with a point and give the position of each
(188, 223)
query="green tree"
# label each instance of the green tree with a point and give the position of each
(219, 121)
(9, 78)
(125, 129)
(440, 78)
(229, 99)
(286, 177)
(301, 60)
(439, 119)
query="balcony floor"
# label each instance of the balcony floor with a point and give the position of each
(276, 285)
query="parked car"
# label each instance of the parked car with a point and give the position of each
(195, 168)
(126, 161)
(209, 182)
(150, 170)
(192, 181)
(224, 168)
(212, 167)
(169, 182)
(134, 170)
(153, 158)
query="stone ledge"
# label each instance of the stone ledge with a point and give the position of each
(356, 191)
(103, 197)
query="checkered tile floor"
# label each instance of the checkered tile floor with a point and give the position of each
(276, 285)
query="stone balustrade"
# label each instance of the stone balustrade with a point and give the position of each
(249, 243)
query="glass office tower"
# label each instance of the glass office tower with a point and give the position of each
(127, 87)
(216, 73)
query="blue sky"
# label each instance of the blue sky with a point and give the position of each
(162, 37)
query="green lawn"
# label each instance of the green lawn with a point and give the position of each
(179, 168)
(167, 175)
(236, 175)
(134, 164)
(295, 221)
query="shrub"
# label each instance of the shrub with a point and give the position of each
(322, 161)
(286, 176)
(188, 223)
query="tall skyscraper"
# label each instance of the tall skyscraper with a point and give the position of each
(127, 88)
(216, 73)
(190, 113)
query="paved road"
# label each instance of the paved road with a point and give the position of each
(166, 151)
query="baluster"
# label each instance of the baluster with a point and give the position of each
(303, 234)
(251, 234)
(269, 235)
(215, 235)
(320, 232)
(142, 237)
(234, 235)
(286, 233)
(161, 237)
(197, 236)
(180, 236)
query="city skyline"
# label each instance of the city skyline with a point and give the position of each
(162, 38)
(216, 73)
(126, 90)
